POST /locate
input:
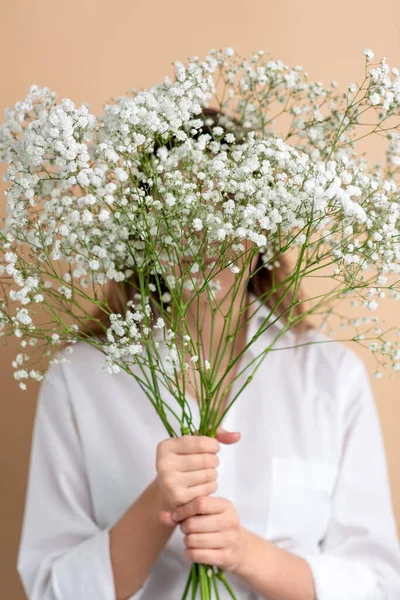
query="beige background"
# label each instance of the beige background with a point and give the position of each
(94, 50)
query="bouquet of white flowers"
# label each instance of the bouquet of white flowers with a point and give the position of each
(164, 203)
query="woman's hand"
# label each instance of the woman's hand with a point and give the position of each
(187, 468)
(213, 533)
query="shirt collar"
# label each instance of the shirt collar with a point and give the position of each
(270, 329)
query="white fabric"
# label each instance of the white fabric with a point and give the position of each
(309, 473)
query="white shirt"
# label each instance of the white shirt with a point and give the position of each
(309, 473)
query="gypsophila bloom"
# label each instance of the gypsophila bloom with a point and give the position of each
(197, 224)
(153, 179)
(369, 55)
(23, 316)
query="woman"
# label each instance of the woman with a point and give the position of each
(303, 510)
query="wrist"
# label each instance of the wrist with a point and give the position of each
(250, 546)
(161, 500)
(243, 568)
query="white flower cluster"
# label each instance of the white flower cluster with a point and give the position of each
(393, 151)
(384, 89)
(129, 336)
(103, 197)
(125, 337)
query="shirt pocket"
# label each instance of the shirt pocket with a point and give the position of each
(300, 500)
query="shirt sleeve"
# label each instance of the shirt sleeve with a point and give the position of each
(360, 554)
(63, 553)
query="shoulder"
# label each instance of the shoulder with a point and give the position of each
(331, 363)
(81, 362)
(332, 352)
(77, 382)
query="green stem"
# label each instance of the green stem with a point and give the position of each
(210, 575)
(216, 590)
(204, 589)
(195, 580)
(188, 582)
(221, 577)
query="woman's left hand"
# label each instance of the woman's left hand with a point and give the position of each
(213, 533)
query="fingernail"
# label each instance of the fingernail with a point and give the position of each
(174, 517)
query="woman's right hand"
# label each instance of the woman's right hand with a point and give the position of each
(187, 467)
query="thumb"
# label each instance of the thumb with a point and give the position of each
(227, 437)
(166, 518)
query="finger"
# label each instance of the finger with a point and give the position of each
(227, 437)
(194, 478)
(195, 444)
(205, 540)
(204, 489)
(205, 557)
(202, 505)
(195, 462)
(202, 524)
(166, 519)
